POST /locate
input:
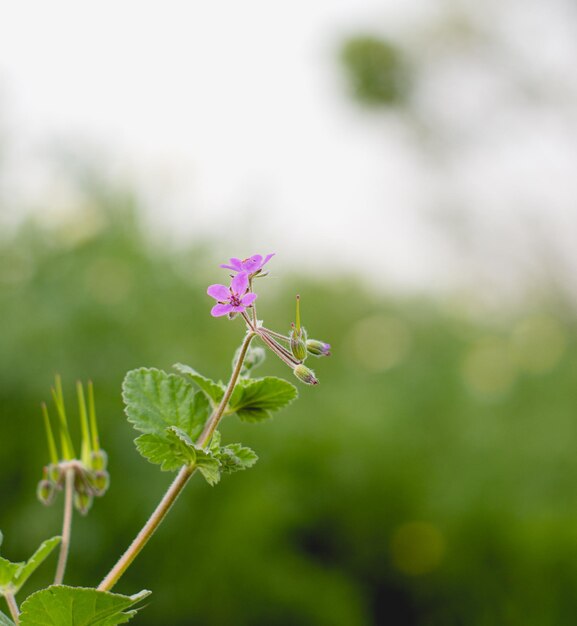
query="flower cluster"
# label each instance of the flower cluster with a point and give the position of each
(238, 297)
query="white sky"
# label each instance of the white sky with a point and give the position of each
(225, 112)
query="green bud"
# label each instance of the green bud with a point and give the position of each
(305, 375)
(45, 492)
(298, 343)
(98, 459)
(82, 502)
(99, 482)
(318, 348)
(254, 357)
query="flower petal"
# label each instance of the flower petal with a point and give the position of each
(221, 309)
(267, 258)
(219, 292)
(235, 264)
(252, 264)
(239, 283)
(248, 299)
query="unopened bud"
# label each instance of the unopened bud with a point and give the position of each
(45, 492)
(318, 348)
(298, 343)
(99, 482)
(305, 375)
(82, 502)
(254, 357)
(98, 459)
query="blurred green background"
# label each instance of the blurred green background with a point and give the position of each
(428, 480)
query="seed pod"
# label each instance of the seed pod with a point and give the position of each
(99, 482)
(305, 375)
(45, 492)
(298, 343)
(318, 348)
(82, 502)
(54, 473)
(99, 459)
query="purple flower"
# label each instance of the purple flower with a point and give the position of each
(233, 299)
(252, 265)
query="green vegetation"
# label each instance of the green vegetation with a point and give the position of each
(429, 480)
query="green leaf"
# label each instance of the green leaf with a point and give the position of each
(254, 400)
(78, 606)
(5, 621)
(214, 391)
(155, 400)
(174, 448)
(34, 562)
(235, 457)
(14, 575)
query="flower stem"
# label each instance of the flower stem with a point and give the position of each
(184, 474)
(148, 529)
(66, 526)
(282, 353)
(11, 602)
(212, 423)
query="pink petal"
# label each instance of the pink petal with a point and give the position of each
(219, 292)
(267, 258)
(235, 264)
(221, 309)
(252, 264)
(248, 299)
(238, 309)
(239, 283)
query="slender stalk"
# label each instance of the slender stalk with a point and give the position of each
(254, 318)
(148, 529)
(283, 354)
(212, 424)
(11, 602)
(272, 333)
(66, 526)
(184, 474)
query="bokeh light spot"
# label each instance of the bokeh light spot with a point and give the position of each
(379, 342)
(489, 369)
(538, 343)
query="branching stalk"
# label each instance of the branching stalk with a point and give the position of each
(183, 476)
(14, 610)
(66, 525)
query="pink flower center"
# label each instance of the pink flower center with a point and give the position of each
(234, 300)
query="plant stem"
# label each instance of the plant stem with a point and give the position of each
(184, 474)
(283, 354)
(215, 418)
(66, 526)
(148, 529)
(11, 602)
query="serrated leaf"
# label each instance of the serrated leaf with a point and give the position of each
(155, 400)
(5, 621)
(214, 391)
(254, 400)
(34, 562)
(78, 606)
(235, 457)
(14, 575)
(175, 448)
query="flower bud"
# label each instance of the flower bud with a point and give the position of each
(98, 459)
(99, 482)
(318, 348)
(305, 375)
(45, 492)
(82, 502)
(298, 343)
(254, 357)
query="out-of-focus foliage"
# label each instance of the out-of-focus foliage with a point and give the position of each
(429, 479)
(376, 71)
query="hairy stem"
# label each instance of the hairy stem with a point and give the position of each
(11, 602)
(212, 424)
(282, 353)
(66, 525)
(148, 529)
(184, 474)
